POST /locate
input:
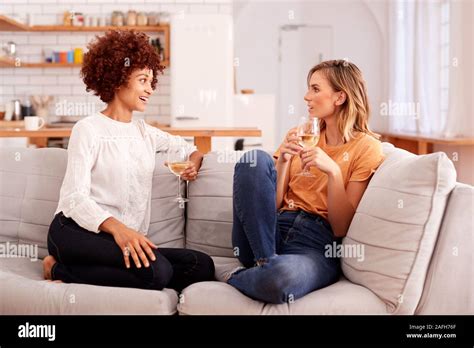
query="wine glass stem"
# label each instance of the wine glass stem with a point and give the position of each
(179, 187)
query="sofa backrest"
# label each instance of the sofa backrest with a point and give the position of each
(209, 211)
(30, 181)
(449, 285)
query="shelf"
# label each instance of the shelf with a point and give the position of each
(147, 28)
(10, 63)
(8, 24)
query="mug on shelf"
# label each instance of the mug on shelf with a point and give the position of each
(34, 122)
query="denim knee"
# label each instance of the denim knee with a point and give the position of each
(279, 286)
(206, 269)
(279, 291)
(162, 274)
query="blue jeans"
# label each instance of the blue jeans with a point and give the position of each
(286, 247)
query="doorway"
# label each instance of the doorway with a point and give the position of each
(300, 48)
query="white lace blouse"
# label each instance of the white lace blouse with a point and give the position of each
(109, 171)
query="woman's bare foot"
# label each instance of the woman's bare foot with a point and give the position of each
(54, 281)
(48, 263)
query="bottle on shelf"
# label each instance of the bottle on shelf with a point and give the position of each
(159, 49)
(78, 55)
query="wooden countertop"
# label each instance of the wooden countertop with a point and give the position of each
(191, 132)
(202, 135)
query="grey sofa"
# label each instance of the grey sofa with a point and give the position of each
(418, 257)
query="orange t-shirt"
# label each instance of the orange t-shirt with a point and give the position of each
(358, 160)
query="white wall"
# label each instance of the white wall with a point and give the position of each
(358, 36)
(360, 33)
(64, 83)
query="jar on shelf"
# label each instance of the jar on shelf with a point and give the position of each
(67, 18)
(48, 55)
(142, 19)
(132, 18)
(117, 19)
(153, 18)
(164, 17)
(78, 19)
(93, 21)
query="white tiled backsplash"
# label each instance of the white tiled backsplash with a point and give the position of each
(65, 83)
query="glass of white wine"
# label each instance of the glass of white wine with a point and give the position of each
(308, 134)
(177, 163)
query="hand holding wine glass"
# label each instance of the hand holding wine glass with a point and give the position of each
(178, 162)
(308, 133)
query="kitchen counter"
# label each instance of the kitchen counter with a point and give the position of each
(202, 135)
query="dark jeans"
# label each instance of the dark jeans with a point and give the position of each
(287, 246)
(94, 258)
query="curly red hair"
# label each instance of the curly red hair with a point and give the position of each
(113, 57)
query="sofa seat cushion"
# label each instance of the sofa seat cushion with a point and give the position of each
(396, 226)
(25, 292)
(219, 298)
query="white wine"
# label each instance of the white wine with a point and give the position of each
(177, 168)
(308, 140)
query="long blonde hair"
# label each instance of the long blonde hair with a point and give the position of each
(354, 114)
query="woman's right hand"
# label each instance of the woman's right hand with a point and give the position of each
(136, 245)
(290, 146)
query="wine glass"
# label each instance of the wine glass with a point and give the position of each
(308, 134)
(178, 161)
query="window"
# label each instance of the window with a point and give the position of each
(445, 59)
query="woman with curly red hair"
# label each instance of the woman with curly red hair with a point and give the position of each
(103, 213)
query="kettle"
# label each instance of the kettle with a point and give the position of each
(9, 48)
(17, 116)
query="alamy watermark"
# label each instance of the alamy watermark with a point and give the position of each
(345, 250)
(226, 156)
(400, 109)
(11, 250)
(68, 108)
(28, 330)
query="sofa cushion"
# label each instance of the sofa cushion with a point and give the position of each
(449, 286)
(219, 298)
(30, 181)
(341, 298)
(167, 219)
(396, 225)
(209, 213)
(21, 277)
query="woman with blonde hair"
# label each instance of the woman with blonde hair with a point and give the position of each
(282, 245)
